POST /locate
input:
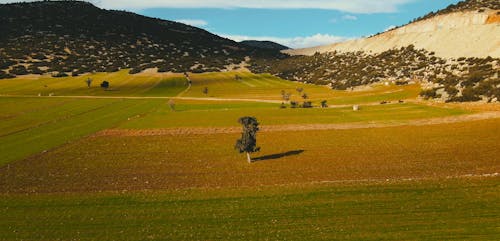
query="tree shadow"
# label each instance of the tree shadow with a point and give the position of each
(277, 156)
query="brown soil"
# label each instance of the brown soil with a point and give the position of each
(208, 160)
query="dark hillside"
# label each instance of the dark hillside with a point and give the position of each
(75, 37)
(264, 44)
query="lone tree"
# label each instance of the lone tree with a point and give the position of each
(205, 90)
(105, 85)
(88, 82)
(248, 142)
(324, 104)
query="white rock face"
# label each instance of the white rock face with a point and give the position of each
(454, 35)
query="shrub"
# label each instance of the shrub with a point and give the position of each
(135, 71)
(5, 75)
(105, 84)
(59, 75)
(468, 95)
(451, 90)
(431, 93)
(307, 104)
(19, 70)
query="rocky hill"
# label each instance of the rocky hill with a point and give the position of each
(454, 53)
(464, 6)
(73, 37)
(468, 29)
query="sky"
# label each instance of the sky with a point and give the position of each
(294, 23)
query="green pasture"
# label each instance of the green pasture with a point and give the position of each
(453, 209)
(32, 125)
(219, 85)
(58, 181)
(189, 114)
(121, 84)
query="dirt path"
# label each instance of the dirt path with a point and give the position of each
(180, 97)
(146, 98)
(297, 127)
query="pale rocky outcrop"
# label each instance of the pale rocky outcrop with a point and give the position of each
(454, 35)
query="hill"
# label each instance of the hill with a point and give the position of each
(467, 29)
(454, 53)
(74, 37)
(264, 44)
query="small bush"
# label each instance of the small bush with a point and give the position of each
(59, 75)
(307, 104)
(105, 84)
(428, 94)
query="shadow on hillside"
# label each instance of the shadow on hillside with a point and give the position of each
(277, 156)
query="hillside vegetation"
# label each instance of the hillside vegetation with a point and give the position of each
(462, 6)
(72, 37)
(462, 79)
(454, 53)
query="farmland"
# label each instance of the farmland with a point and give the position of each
(152, 157)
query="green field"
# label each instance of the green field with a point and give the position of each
(123, 164)
(451, 209)
(190, 114)
(121, 84)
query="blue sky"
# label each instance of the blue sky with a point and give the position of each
(295, 23)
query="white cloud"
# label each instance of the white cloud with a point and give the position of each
(333, 20)
(350, 17)
(294, 42)
(193, 22)
(352, 6)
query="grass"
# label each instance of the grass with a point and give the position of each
(427, 210)
(190, 114)
(115, 163)
(58, 181)
(220, 85)
(377, 93)
(121, 84)
(251, 86)
(44, 124)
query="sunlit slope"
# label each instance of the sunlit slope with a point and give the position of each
(121, 84)
(268, 87)
(227, 86)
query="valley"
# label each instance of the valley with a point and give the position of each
(118, 126)
(126, 152)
